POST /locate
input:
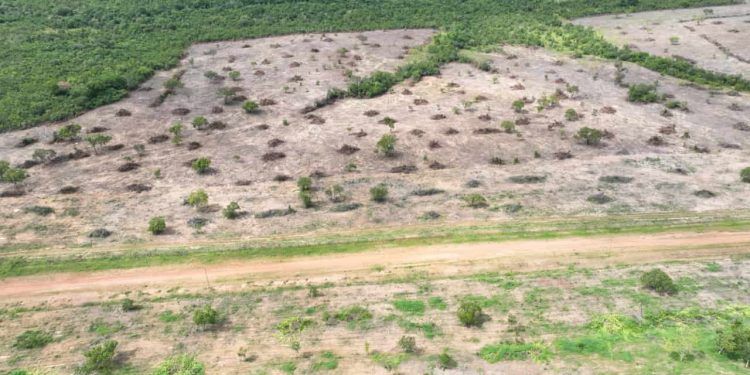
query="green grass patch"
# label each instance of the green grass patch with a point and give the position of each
(513, 351)
(437, 303)
(409, 306)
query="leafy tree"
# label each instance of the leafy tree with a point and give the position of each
(67, 133)
(199, 122)
(231, 211)
(32, 340)
(387, 145)
(744, 175)
(571, 114)
(251, 107)
(734, 342)
(643, 93)
(97, 140)
(198, 198)
(100, 359)
(470, 313)
(202, 165)
(379, 193)
(205, 316)
(658, 281)
(589, 136)
(157, 225)
(176, 130)
(181, 364)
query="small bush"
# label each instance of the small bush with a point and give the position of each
(643, 93)
(39, 210)
(409, 306)
(32, 340)
(98, 140)
(387, 145)
(198, 198)
(201, 165)
(250, 107)
(129, 305)
(513, 351)
(379, 193)
(734, 342)
(41, 155)
(304, 183)
(307, 199)
(100, 359)
(658, 281)
(518, 105)
(476, 201)
(67, 133)
(508, 126)
(205, 316)
(231, 211)
(14, 176)
(527, 179)
(445, 361)
(408, 344)
(157, 225)
(745, 175)
(100, 233)
(589, 136)
(470, 314)
(182, 364)
(571, 115)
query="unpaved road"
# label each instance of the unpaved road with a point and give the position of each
(439, 260)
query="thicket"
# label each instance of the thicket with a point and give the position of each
(78, 56)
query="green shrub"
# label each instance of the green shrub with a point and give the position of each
(326, 361)
(181, 364)
(470, 314)
(335, 193)
(745, 175)
(408, 344)
(445, 361)
(379, 193)
(353, 316)
(198, 198)
(231, 211)
(513, 351)
(100, 359)
(571, 114)
(250, 107)
(157, 225)
(200, 122)
(476, 201)
(293, 325)
(234, 75)
(14, 176)
(39, 210)
(658, 281)
(734, 342)
(173, 84)
(386, 145)
(201, 165)
(4, 166)
(508, 126)
(307, 199)
(32, 340)
(176, 130)
(67, 133)
(205, 316)
(41, 155)
(643, 93)
(97, 140)
(589, 136)
(518, 105)
(304, 183)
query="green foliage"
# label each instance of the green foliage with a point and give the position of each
(734, 342)
(100, 359)
(14, 175)
(643, 93)
(589, 136)
(389, 361)
(99, 47)
(198, 198)
(39, 210)
(199, 122)
(67, 132)
(470, 314)
(571, 114)
(129, 305)
(201, 165)
(379, 193)
(250, 107)
(32, 340)
(307, 199)
(658, 281)
(176, 130)
(326, 361)
(293, 325)
(409, 306)
(508, 126)
(181, 364)
(96, 140)
(408, 344)
(518, 105)
(4, 166)
(445, 361)
(231, 211)
(387, 145)
(353, 316)
(304, 183)
(205, 316)
(40, 155)
(476, 200)
(437, 303)
(745, 175)
(157, 225)
(514, 351)
(234, 75)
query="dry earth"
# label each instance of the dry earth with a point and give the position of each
(703, 148)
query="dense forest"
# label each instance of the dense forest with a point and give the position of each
(101, 49)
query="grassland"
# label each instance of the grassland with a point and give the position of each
(80, 55)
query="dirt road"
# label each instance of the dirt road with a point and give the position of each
(438, 260)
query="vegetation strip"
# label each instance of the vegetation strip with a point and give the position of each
(22, 266)
(124, 44)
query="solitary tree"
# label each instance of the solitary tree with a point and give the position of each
(198, 198)
(387, 145)
(98, 140)
(176, 130)
(251, 107)
(202, 165)
(589, 136)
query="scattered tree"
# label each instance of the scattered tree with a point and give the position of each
(589, 136)
(251, 107)
(157, 225)
(198, 198)
(14, 176)
(387, 145)
(199, 122)
(379, 193)
(470, 313)
(658, 281)
(734, 342)
(100, 359)
(201, 165)
(571, 115)
(98, 140)
(205, 316)
(643, 93)
(176, 130)
(518, 105)
(67, 133)
(231, 211)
